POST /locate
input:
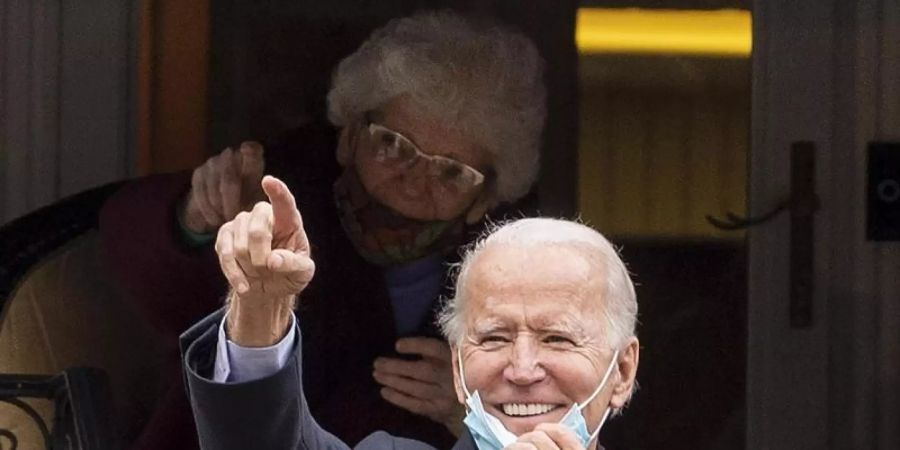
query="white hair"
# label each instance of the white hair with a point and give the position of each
(482, 79)
(620, 302)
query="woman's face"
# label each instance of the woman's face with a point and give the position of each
(415, 190)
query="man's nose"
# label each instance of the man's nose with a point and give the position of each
(525, 366)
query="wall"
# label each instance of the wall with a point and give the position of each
(65, 90)
(863, 283)
(828, 72)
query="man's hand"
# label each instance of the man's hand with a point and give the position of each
(223, 186)
(424, 387)
(547, 436)
(265, 256)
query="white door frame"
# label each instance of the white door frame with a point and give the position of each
(826, 71)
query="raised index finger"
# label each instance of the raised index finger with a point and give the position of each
(286, 220)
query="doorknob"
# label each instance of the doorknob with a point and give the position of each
(802, 205)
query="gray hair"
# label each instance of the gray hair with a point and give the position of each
(620, 309)
(482, 79)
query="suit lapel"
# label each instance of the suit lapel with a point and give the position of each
(465, 441)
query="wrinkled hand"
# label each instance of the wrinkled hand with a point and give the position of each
(547, 436)
(223, 186)
(265, 256)
(423, 387)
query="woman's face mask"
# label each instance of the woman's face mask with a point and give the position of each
(384, 237)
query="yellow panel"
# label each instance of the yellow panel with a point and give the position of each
(653, 164)
(726, 33)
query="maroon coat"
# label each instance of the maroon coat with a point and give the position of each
(346, 311)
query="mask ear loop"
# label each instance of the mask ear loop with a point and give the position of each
(462, 375)
(612, 364)
(602, 421)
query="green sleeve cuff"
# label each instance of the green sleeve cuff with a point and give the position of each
(191, 238)
(195, 239)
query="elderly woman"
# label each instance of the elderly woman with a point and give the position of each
(438, 122)
(543, 353)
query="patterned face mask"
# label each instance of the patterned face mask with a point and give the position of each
(384, 237)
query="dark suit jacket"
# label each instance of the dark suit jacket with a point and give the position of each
(270, 413)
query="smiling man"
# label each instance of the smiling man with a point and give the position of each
(541, 329)
(542, 332)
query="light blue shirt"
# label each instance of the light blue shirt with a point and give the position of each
(236, 364)
(413, 288)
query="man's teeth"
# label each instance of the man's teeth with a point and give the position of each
(526, 409)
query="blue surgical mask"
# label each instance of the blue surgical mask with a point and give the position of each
(490, 434)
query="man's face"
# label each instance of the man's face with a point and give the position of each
(535, 336)
(411, 191)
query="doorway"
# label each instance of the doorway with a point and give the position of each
(664, 134)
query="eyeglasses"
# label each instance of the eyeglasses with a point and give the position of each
(397, 153)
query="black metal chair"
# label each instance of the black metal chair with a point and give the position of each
(81, 407)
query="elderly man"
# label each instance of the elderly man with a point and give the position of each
(435, 120)
(541, 330)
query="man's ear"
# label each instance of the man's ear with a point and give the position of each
(345, 148)
(457, 383)
(627, 371)
(485, 202)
